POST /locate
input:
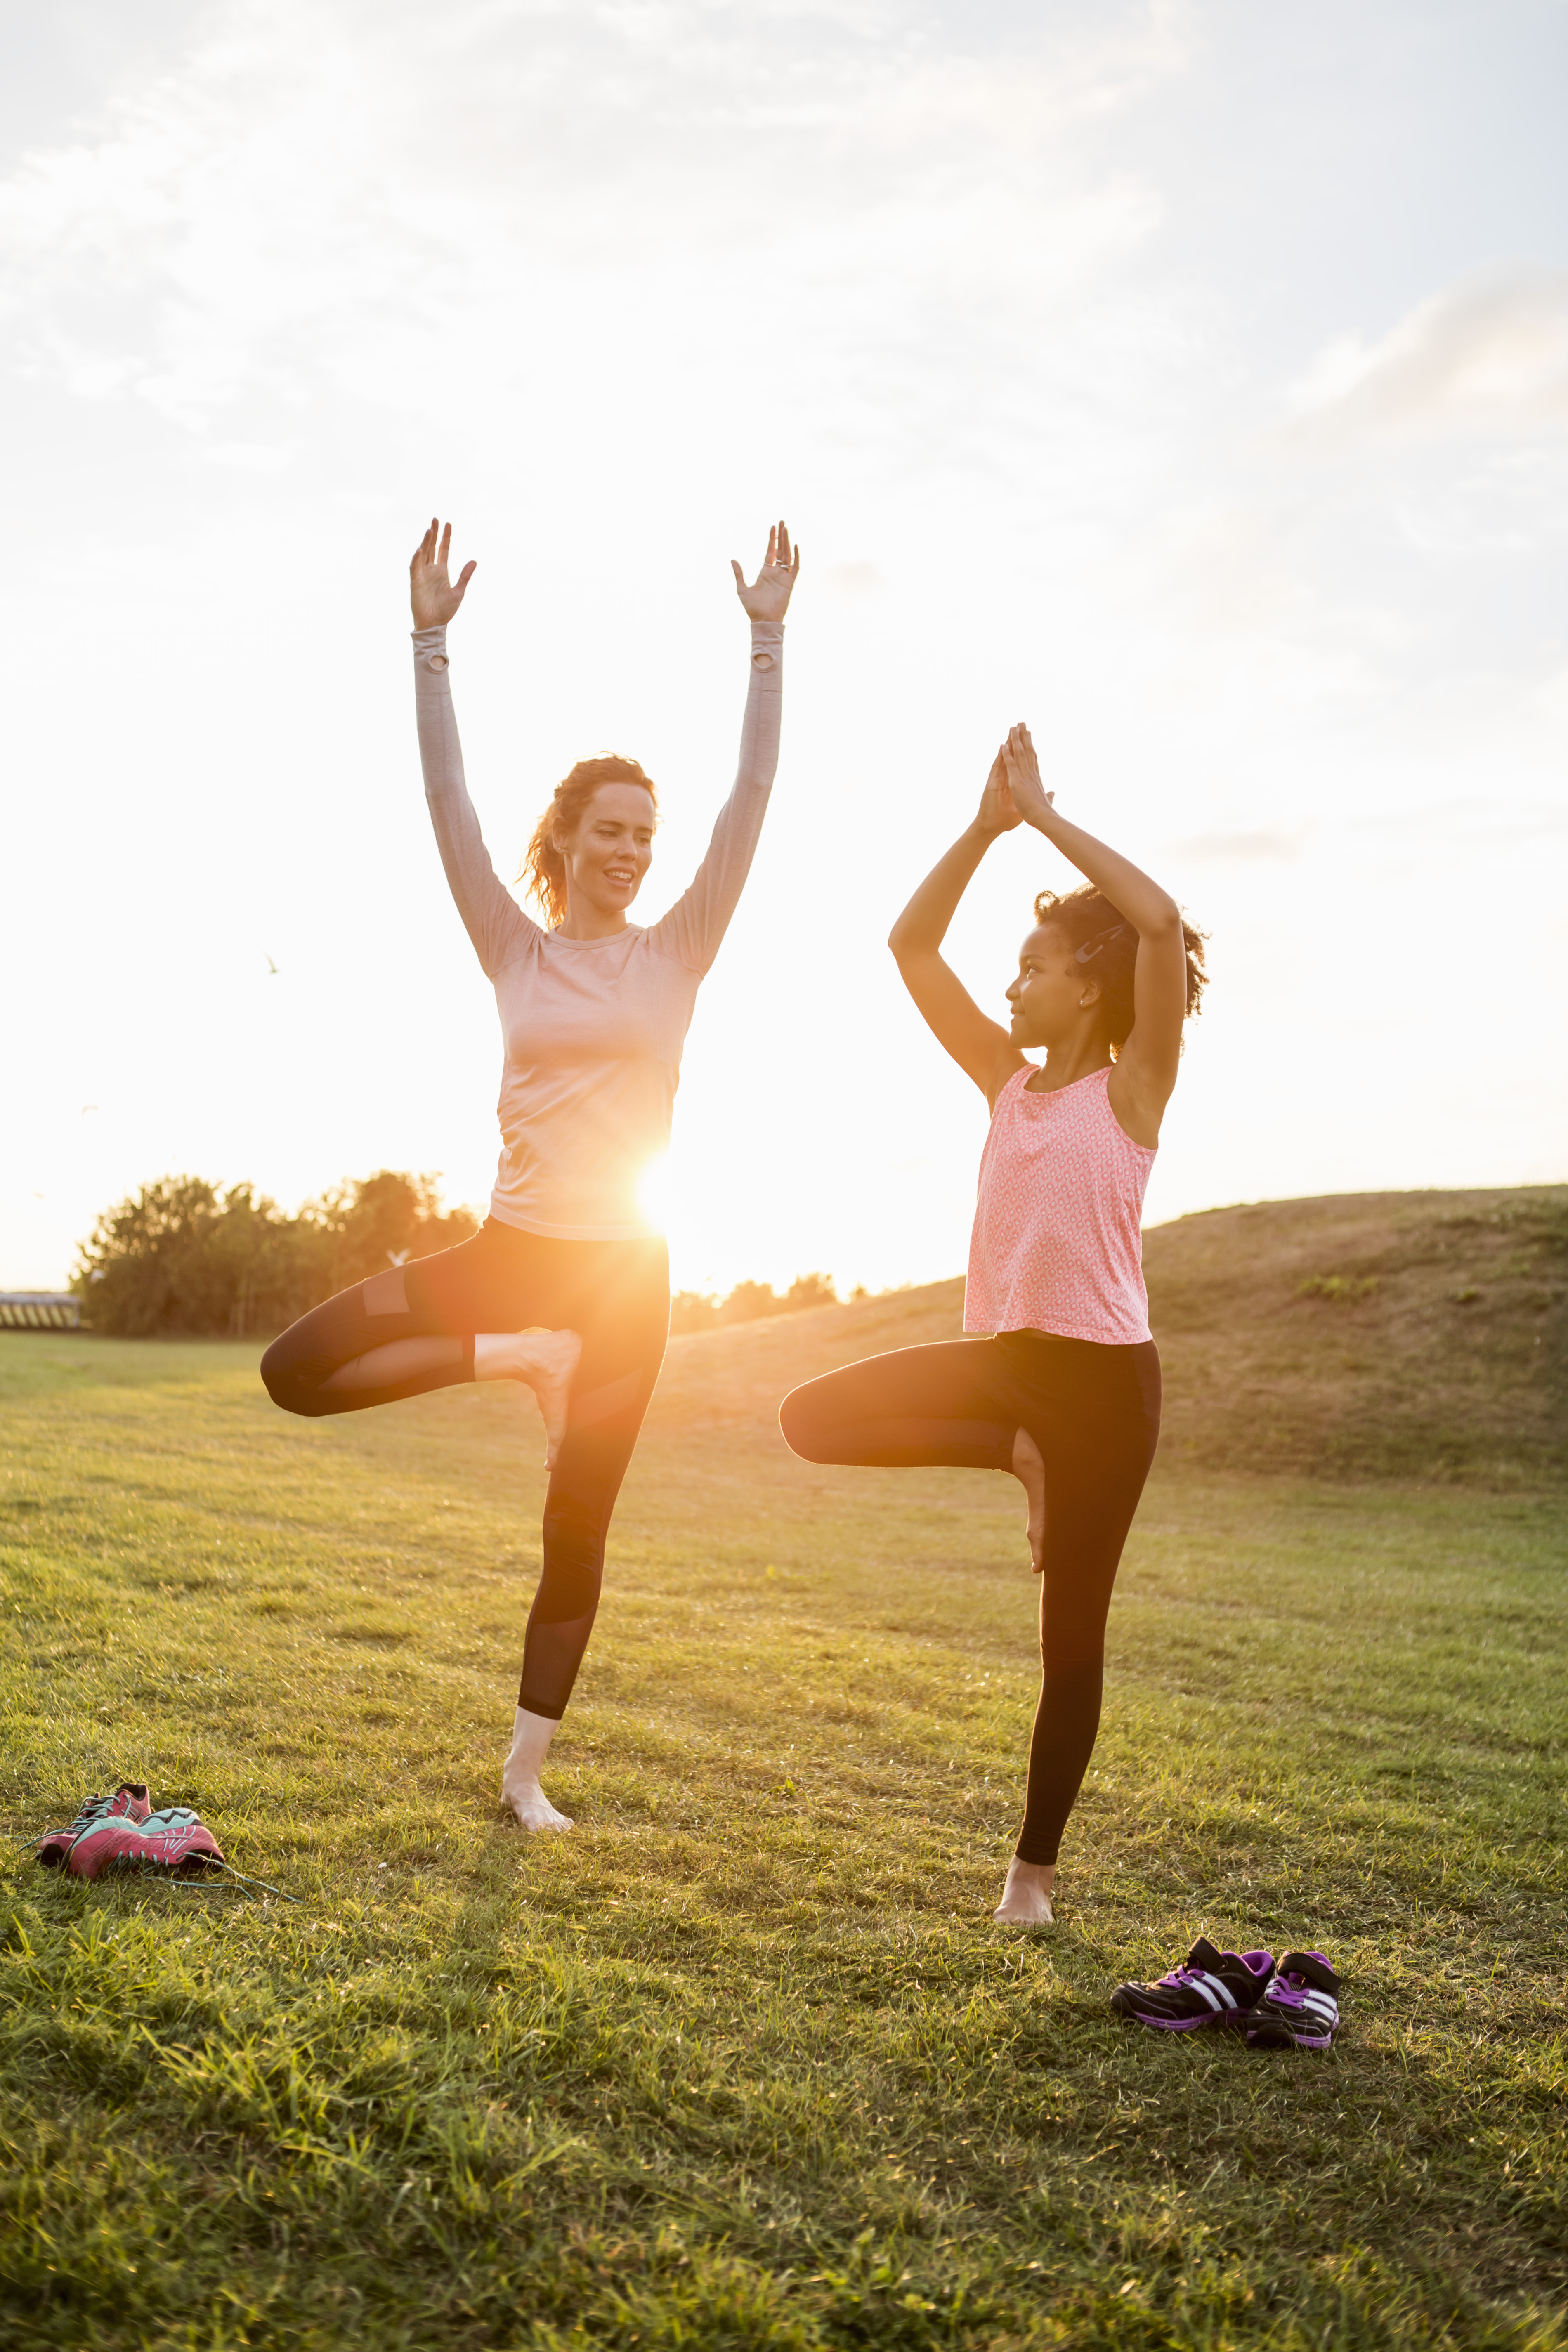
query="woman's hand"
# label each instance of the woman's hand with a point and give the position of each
(430, 590)
(766, 598)
(997, 814)
(1028, 793)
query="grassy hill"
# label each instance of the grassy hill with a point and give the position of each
(741, 2066)
(1410, 1335)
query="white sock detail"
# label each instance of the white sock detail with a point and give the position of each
(521, 1792)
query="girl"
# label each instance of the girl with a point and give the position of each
(564, 1287)
(1065, 1393)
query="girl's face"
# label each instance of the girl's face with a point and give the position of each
(1053, 995)
(612, 848)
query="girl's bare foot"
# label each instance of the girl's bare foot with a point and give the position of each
(519, 1789)
(545, 1361)
(1029, 1469)
(1027, 1897)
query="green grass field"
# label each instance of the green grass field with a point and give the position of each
(743, 2061)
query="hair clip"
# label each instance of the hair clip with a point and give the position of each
(1099, 942)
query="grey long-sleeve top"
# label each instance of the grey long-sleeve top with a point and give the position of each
(592, 1029)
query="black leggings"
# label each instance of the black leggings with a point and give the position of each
(1094, 1413)
(615, 1293)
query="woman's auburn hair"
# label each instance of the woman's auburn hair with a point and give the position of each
(544, 865)
(1089, 919)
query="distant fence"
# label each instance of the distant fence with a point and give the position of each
(39, 1310)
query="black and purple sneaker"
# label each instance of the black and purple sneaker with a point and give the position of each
(1300, 2006)
(1210, 1987)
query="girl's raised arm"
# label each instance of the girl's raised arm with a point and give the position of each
(1146, 1073)
(981, 1047)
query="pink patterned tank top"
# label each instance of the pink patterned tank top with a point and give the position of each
(1057, 1241)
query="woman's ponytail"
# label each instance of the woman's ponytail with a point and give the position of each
(543, 864)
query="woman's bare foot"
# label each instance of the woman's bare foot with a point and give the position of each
(532, 1808)
(1029, 1469)
(545, 1361)
(1027, 1897)
(519, 1789)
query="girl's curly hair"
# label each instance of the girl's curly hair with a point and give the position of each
(1106, 945)
(543, 866)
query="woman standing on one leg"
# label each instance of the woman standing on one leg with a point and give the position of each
(1065, 1391)
(564, 1287)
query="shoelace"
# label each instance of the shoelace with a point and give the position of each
(221, 1886)
(1297, 1993)
(89, 1813)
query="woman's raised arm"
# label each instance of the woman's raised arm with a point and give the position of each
(980, 1046)
(694, 928)
(492, 916)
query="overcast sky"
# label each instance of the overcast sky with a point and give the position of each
(1189, 380)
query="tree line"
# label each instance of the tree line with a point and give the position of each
(702, 1310)
(185, 1258)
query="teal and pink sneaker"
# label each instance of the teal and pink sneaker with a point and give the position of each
(171, 1839)
(130, 1802)
(1210, 1987)
(1300, 2007)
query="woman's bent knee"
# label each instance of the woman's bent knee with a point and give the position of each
(281, 1378)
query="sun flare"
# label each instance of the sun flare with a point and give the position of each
(654, 1193)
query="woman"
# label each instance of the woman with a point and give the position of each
(564, 1287)
(1065, 1393)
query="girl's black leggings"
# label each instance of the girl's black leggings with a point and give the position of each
(1094, 1413)
(615, 1293)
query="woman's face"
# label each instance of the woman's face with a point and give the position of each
(1053, 995)
(612, 848)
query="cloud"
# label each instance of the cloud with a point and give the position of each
(1495, 822)
(310, 195)
(1489, 356)
(857, 579)
(249, 457)
(1243, 848)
